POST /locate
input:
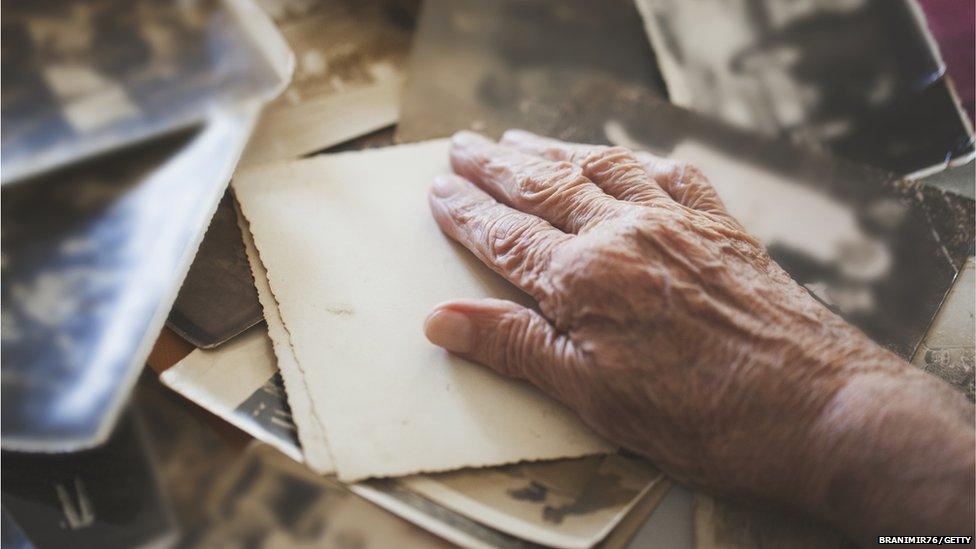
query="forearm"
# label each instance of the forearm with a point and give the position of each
(893, 454)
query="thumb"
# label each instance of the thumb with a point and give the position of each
(511, 339)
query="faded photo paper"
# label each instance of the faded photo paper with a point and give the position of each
(568, 504)
(90, 258)
(217, 300)
(240, 383)
(226, 489)
(315, 447)
(86, 78)
(270, 498)
(349, 58)
(576, 502)
(948, 348)
(784, 68)
(86, 499)
(510, 517)
(356, 262)
(540, 65)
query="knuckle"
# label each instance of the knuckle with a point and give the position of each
(508, 235)
(576, 269)
(621, 174)
(579, 291)
(522, 342)
(502, 233)
(692, 171)
(510, 345)
(516, 245)
(610, 278)
(690, 175)
(542, 180)
(682, 180)
(662, 170)
(653, 219)
(465, 212)
(610, 159)
(672, 174)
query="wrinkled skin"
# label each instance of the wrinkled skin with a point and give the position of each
(671, 332)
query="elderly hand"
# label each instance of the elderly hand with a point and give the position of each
(671, 332)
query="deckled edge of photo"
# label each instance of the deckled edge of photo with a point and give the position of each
(351, 114)
(427, 515)
(671, 71)
(182, 379)
(399, 472)
(311, 433)
(429, 488)
(353, 472)
(638, 515)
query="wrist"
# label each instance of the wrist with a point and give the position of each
(892, 454)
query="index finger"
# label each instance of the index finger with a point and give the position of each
(513, 243)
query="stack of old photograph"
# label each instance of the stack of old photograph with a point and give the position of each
(274, 414)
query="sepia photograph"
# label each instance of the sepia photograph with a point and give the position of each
(515, 274)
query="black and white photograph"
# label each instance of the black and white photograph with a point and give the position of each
(629, 274)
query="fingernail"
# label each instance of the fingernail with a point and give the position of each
(450, 330)
(446, 185)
